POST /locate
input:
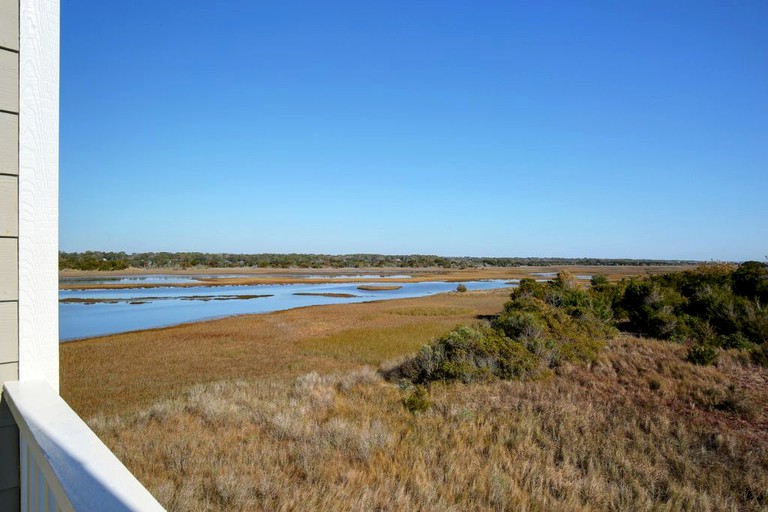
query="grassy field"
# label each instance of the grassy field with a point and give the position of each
(126, 371)
(286, 411)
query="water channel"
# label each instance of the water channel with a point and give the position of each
(96, 312)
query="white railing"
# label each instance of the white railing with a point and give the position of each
(64, 466)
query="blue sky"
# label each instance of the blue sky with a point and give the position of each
(603, 129)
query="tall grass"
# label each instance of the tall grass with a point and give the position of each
(278, 412)
(126, 371)
(591, 437)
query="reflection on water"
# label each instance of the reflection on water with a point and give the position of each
(87, 313)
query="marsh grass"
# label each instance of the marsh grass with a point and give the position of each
(274, 412)
(125, 371)
(433, 311)
(374, 346)
(588, 438)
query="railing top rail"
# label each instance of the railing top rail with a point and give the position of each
(88, 474)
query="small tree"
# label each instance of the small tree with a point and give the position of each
(565, 281)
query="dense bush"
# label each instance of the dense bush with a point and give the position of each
(542, 326)
(759, 355)
(702, 354)
(418, 400)
(751, 280)
(717, 304)
(469, 354)
(546, 324)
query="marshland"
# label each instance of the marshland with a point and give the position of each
(413, 256)
(560, 397)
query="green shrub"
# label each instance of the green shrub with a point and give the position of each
(702, 354)
(737, 341)
(461, 288)
(529, 288)
(726, 299)
(759, 355)
(418, 400)
(751, 280)
(520, 324)
(468, 354)
(526, 337)
(651, 307)
(565, 281)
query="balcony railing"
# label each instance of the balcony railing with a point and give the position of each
(64, 466)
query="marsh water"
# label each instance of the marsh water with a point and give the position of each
(87, 313)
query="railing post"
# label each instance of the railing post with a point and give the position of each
(63, 463)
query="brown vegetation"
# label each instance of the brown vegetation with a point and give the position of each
(640, 429)
(125, 371)
(280, 412)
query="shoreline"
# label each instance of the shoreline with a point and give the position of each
(97, 370)
(256, 276)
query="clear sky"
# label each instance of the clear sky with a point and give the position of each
(486, 128)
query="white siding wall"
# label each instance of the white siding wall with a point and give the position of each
(39, 191)
(9, 242)
(29, 82)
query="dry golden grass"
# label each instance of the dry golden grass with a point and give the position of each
(123, 371)
(279, 412)
(595, 438)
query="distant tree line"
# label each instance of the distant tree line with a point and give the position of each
(98, 260)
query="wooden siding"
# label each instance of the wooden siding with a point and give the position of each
(9, 81)
(9, 269)
(8, 371)
(9, 332)
(39, 191)
(9, 206)
(9, 143)
(9, 247)
(9, 24)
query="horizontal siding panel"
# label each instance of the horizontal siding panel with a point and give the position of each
(9, 24)
(9, 206)
(9, 81)
(9, 332)
(9, 372)
(9, 269)
(9, 143)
